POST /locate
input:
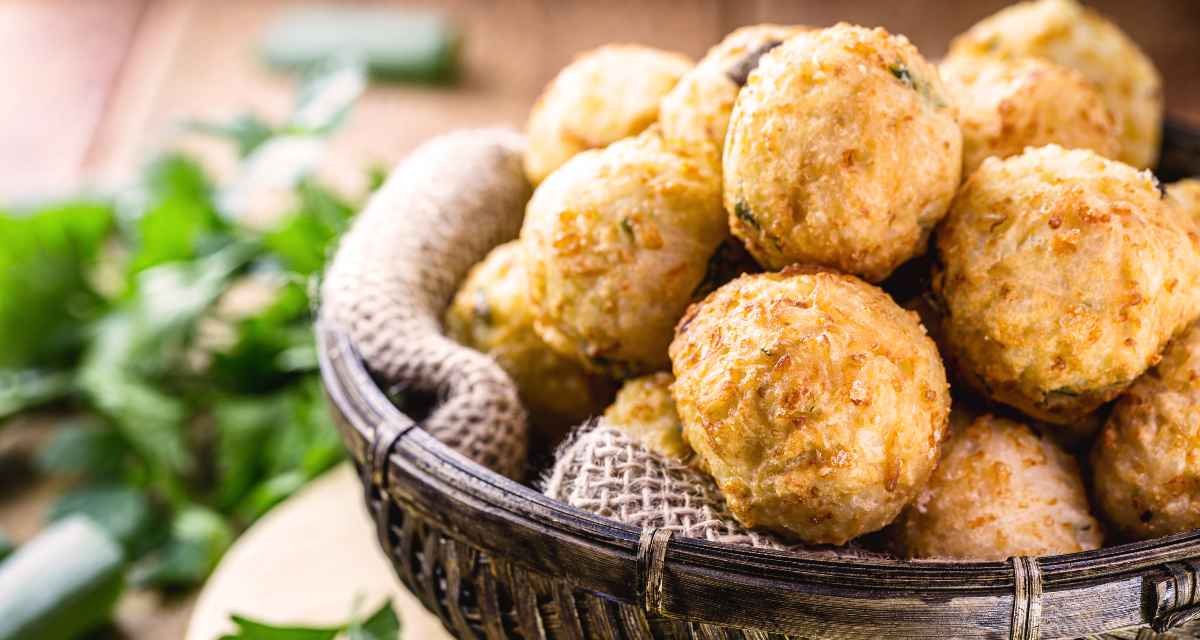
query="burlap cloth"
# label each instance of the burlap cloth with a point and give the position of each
(396, 269)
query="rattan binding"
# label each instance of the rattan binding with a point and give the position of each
(495, 559)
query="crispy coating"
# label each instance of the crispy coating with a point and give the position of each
(645, 410)
(1062, 276)
(1185, 196)
(1065, 32)
(842, 151)
(815, 402)
(491, 313)
(1146, 462)
(616, 242)
(999, 490)
(695, 114)
(604, 95)
(1005, 105)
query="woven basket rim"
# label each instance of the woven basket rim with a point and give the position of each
(1057, 569)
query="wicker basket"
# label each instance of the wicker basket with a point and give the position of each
(495, 559)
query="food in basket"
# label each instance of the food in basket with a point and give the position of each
(1146, 462)
(1000, 490)
(1061, 277)
(842, 151)
(604, 95)
(1185, 195)
(1063, 31)
(491, 313)
(1005, 105)
(646, 411)
(695, 114)
(616, 242)
(815, 402)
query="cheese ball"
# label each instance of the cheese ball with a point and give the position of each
(1061, 277)
(1146, 462)
(604, 95)
(491, 313)
(1005, 105)
(842, 151)
(616, 242)
(695, 114)
(1000, 490)
(645, 410)
(815, 402)
(1064, 32)
(1185, 197)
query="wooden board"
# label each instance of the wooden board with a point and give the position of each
(312, 560)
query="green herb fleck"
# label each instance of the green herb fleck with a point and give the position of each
(742, 211)
(627, 227)
(901, 72)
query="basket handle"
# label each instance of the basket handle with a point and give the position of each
(1176, 597)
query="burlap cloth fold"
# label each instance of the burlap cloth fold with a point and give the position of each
(396, 269)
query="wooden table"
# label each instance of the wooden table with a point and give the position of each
(95, 85)
(92, 87)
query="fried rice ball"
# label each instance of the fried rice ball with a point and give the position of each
(491, 313)
(999, 490)
(604, 95)
(1005, 105)
(815, 402)
(695, 114)
(1146, 462)
(842, 151)
(1185, 197)
(1065, 32)
(645, 410)
(1061, 278)
(616, 242)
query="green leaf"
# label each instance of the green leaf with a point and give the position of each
(151, 420)
(304, 239)
(30, 388)
(139, 345)
(6, 546)
(270, 347)
(84, 448)
(46, 300)
(251, 630)
(270, 493)
(198, 539)
(242, 425)
(384, 624)
(246, 130)
(123, 512)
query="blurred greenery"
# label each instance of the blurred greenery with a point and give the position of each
(188, 420)
(382, 624)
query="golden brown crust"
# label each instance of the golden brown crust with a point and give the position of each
(1146, 462)
(814, 401)
(999, 490)
(645, 410)
(1062, 276)
(695, 114)
(1185, 197)
(842, 151)
(1065, 32)
(1005, 105)
(491, 313)
(604, 95)
(616, 242)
